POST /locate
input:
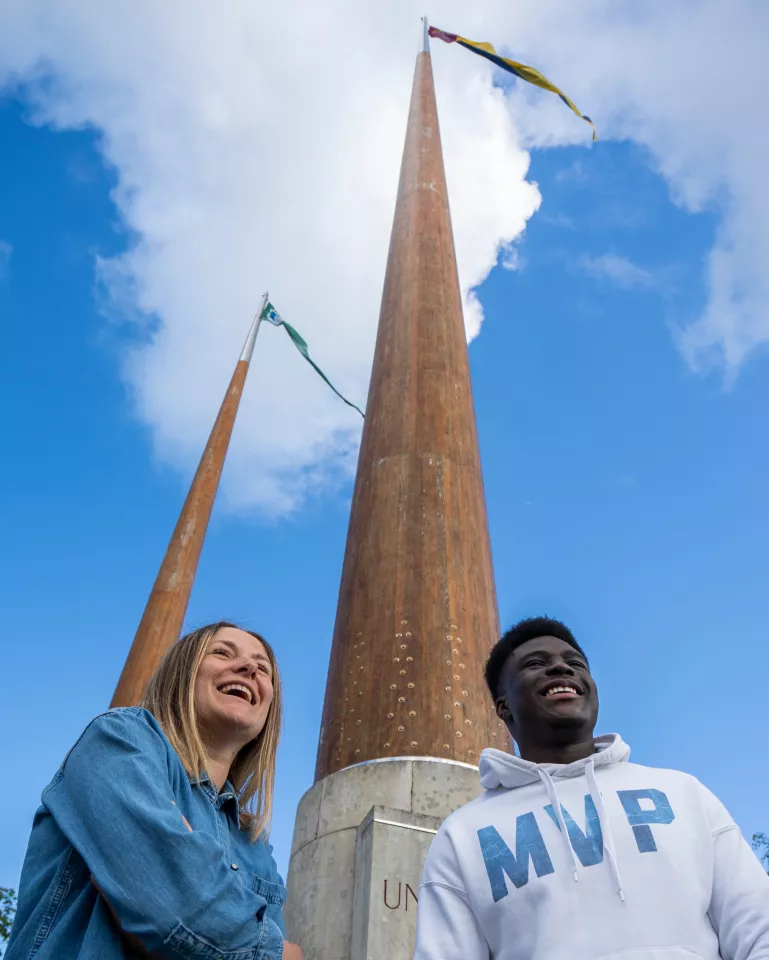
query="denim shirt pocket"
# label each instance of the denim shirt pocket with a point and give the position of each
(275, 895)
(270, 943)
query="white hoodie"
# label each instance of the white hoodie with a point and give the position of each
(594, 859)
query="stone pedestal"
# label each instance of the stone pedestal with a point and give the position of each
(360, 840)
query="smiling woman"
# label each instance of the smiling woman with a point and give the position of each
(151, 837)
(217, 697)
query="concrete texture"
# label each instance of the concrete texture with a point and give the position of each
(349, 795)
(390, 850)
(360, 840)
(319, 911)
(307, 816)
(438, 789)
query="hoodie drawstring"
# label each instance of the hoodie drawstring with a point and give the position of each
(552, 793)
(499, 769)
(603, 820)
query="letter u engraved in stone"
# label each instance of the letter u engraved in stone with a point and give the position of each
(400, 885)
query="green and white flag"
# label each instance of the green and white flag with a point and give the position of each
(271, 315)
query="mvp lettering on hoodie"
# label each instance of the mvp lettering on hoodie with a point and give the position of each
(586, 845)
(592, 860)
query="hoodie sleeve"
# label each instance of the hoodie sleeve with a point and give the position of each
(447, 928)
(739, 904)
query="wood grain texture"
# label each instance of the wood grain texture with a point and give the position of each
(163, 616)
(417, 611)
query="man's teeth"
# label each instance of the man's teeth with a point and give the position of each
(554, 690)
(236, 686)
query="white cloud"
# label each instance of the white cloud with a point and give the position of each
(5, 258)
(575, 173)
(655, 73)
(510, 258)
(259, 145)
(557, 220)
(618, 270)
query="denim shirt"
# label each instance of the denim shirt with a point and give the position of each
(113, 818)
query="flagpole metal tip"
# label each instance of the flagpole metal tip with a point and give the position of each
(248, 346)
(425, 36)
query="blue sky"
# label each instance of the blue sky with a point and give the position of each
(627, 495)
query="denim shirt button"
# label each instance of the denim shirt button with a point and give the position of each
(233, 866)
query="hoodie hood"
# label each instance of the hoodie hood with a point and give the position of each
(500, 769)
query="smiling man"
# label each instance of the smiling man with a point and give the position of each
(572, 851)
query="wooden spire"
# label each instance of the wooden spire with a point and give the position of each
(417, 609)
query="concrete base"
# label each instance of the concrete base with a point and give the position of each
(360, 839)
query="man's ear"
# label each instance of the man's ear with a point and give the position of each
(503, 711)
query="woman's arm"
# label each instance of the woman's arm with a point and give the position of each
(170, 888)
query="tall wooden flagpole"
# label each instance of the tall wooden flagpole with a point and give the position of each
(163, 616)
(406, 711)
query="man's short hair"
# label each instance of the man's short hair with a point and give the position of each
(519, 633)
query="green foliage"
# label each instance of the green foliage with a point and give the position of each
(7, 910)
(761, 846)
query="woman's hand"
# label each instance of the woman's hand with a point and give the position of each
(291, 951)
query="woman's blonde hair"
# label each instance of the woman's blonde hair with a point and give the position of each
(170, 697)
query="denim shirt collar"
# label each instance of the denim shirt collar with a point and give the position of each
(227, 799)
